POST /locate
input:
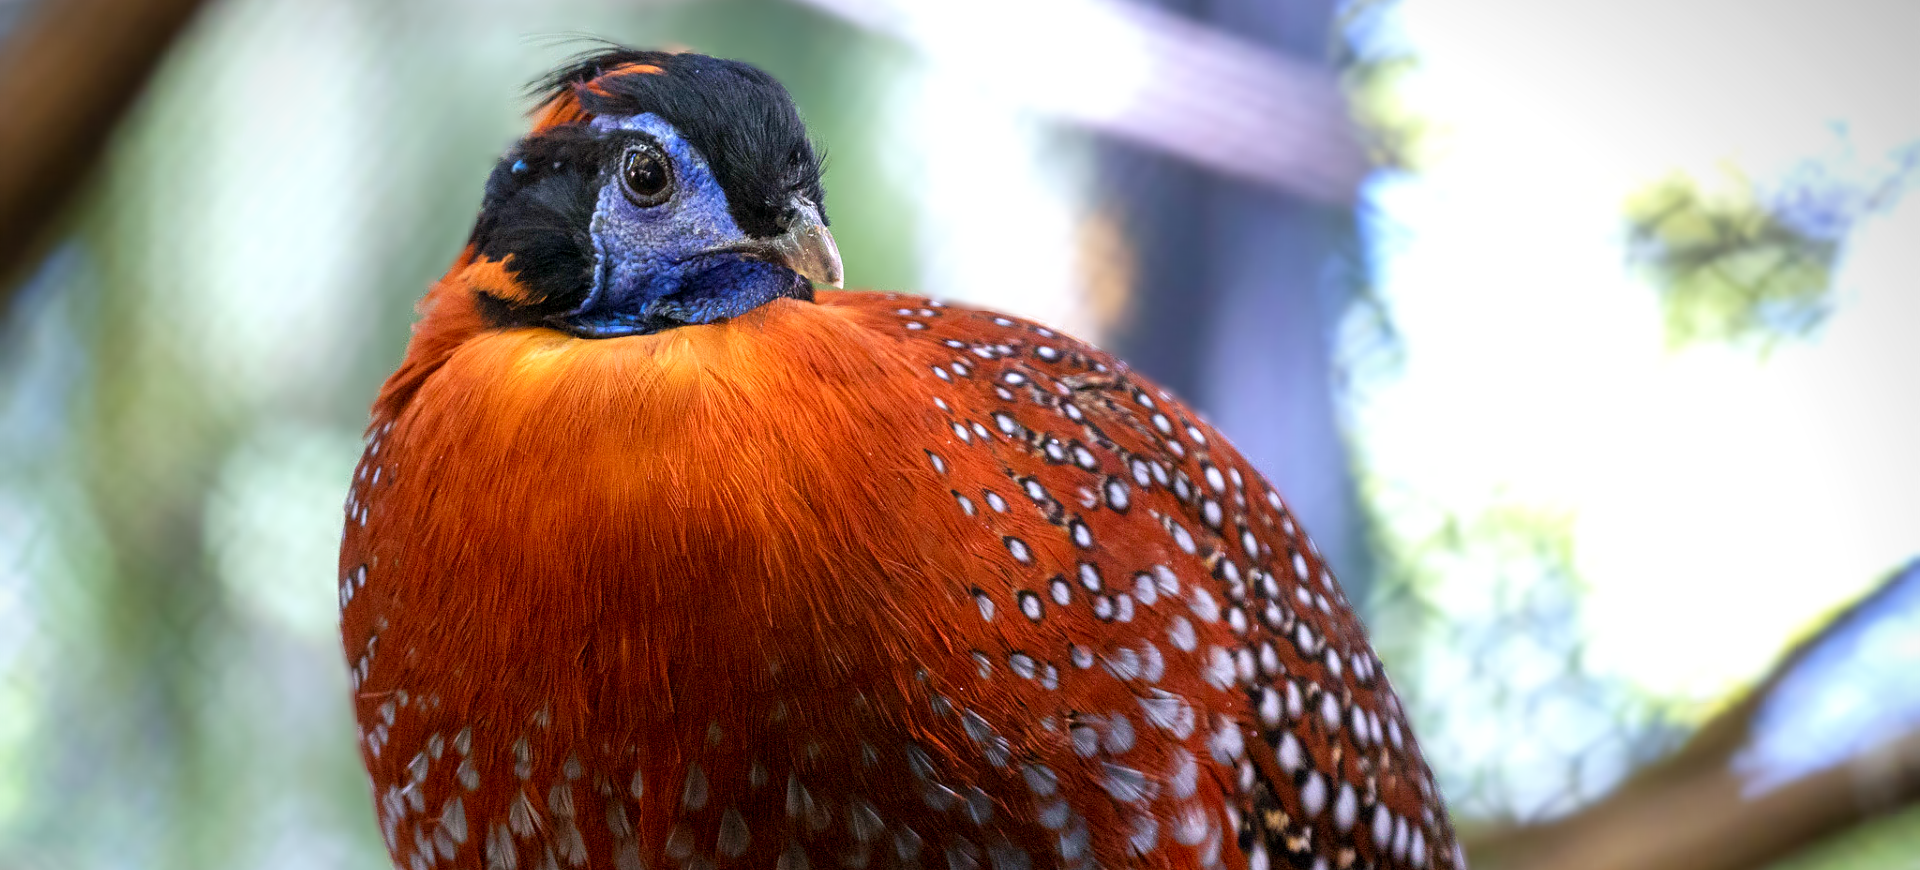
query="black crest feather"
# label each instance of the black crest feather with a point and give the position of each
(541, 196)
(739, 118)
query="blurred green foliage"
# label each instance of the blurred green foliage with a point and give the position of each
(1891, 842)
(1729, 265)
(1375, 62)
(1480, 616)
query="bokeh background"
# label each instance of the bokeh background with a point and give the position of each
(1584, 334)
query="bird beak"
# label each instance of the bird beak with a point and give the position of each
(807, 247)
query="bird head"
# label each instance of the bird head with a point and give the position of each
(656, 190)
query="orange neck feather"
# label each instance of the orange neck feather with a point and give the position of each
(649, 492)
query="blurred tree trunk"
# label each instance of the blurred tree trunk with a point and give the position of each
(68, 71)
(1235, 305)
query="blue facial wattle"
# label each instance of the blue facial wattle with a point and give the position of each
(656, 267)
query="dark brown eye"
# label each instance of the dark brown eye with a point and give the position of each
(644, 173)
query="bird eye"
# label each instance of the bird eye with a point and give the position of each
(644, 173)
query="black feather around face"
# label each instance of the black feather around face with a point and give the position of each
(537, 216)
(737, 116)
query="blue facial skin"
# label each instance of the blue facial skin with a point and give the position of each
(655, 268)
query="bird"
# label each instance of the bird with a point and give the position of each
(664, 552)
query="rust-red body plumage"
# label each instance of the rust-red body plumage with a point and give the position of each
(860, 581)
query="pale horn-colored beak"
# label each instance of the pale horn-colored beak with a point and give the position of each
(807, 247)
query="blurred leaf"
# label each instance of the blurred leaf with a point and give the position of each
(1375, 60)
(1728, 265)
(1744, 262)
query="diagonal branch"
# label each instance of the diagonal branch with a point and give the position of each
(68, 73)
(1700, 810)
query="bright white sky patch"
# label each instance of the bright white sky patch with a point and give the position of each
(1723, 502)
(1003, 238)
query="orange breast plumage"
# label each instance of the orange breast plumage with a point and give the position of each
(866, 581)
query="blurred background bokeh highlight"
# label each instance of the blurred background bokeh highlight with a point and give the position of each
(1583, 335)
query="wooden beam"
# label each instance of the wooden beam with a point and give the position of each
(1145, 75)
